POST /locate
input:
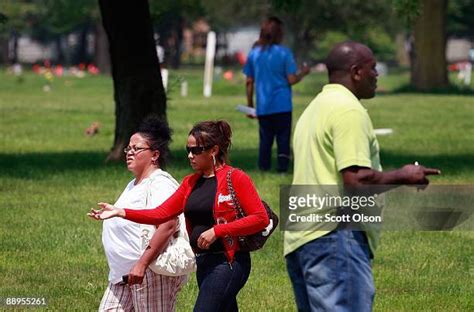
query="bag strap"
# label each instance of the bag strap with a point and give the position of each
(230, 187)
(181, 228)
(150, 182)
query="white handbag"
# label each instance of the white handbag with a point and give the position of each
(178, 258)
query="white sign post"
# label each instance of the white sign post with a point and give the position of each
(467, 73)
(164, 78)
(209, 64)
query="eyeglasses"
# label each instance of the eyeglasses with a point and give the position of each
(135, 149)
(197, 150)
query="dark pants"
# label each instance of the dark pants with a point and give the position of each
(279, 126)
(219, 282)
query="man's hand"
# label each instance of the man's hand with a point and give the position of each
(415, 174)
(206, 239)
(107, 211)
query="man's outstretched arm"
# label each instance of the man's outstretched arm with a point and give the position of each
(407, 175)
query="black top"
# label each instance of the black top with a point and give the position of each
(199, 212)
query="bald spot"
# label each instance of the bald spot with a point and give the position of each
(346, 54)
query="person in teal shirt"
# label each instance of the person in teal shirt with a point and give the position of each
(271, 70)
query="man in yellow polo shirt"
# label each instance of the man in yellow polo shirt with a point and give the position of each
(334, 144)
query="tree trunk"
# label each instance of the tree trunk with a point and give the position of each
(176, 60)
(3, 50)
(80, 55)
(301, 41)
(138, 90)
(429, 67)
(14, 47)
(101, 53)
(59, 49)
(170, 30)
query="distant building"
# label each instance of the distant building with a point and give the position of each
(30, 51)
(457, 50)
(241, 40)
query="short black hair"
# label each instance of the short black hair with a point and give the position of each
(158, 134)
(345, 54)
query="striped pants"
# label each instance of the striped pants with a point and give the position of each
(156, 293)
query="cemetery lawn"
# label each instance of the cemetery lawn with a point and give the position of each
(51, 174)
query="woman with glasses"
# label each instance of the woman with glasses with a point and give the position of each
(130, 247)
(213, 227)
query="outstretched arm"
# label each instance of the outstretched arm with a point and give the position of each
(172, 207)
(355, 176)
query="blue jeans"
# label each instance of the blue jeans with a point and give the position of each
(333, 273)
(271, 126)
(219, 282)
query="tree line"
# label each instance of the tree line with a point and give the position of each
(313, 26)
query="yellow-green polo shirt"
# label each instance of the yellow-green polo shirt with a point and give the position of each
(334, 132)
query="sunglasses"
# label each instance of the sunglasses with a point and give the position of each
(197, 150)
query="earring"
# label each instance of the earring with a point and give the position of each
(214, 160)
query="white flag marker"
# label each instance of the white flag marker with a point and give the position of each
(209, 64)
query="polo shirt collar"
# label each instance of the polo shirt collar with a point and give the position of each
(336, 87)
(339, 88)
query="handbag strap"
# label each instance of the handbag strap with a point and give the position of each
(181, 228)
(230, 187)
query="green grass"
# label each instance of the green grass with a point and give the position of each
(51, 174)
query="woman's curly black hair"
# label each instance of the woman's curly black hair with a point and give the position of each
(158, 134)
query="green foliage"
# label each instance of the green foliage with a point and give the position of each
(460, 18)
(228, 14)
(51, 174)
(312, 26)
(323, 45)
(16, 15)
(372, 22)
(379, 41)
(46, 19)
(57, 17)
(345, 15)
(408, 10)
(171, 13)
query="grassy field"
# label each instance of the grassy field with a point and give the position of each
(51, 174)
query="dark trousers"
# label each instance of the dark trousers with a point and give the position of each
(271, 126)
(219, 282)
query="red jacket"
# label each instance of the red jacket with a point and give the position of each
(227, 227)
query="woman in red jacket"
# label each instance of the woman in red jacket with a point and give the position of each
(222, 270)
